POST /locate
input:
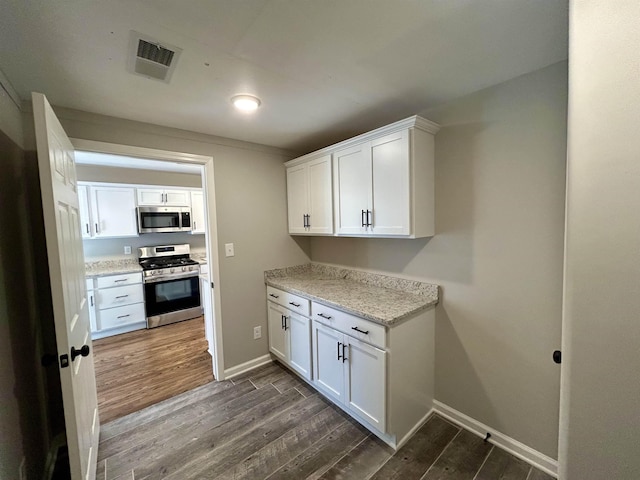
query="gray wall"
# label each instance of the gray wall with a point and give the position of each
(23, 420)
(113, 248)
(99, 173)
(497, 253)
(250, 195)
(600, 414)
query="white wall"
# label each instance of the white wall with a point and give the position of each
(497, 253)
(600, 421)
(251, 213)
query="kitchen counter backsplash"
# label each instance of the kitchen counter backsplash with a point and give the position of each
(100, 268)
(381, 298)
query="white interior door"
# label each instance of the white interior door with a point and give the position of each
(68, 289)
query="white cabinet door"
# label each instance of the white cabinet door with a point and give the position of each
(299, 333)
(352, 186)
(366, 382)
(113, 211)
(328, 368)
(297, 198)
(277, 334)
(320, 211)
(163, 196)
(177, 198)
(197, 212)
(85, 212)
(150, 196)
(390, 179)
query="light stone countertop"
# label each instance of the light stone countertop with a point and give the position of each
(380, 298)
(103, 268)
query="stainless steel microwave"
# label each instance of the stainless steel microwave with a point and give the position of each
(164, 219)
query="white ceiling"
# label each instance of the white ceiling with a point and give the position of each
(324, 70)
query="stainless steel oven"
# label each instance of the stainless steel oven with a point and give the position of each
(171, 284)
(164, 219)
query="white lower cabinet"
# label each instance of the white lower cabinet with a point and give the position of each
(382, 376)
(351, 372)
(116, 304)
(290, 338)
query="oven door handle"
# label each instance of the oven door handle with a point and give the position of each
(168, 278)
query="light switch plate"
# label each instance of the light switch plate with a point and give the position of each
(228, 250)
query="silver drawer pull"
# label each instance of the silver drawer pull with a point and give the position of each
(328, 317)
(121, 280)
(274, 296)
(121, 296)
(297, 305)
(124, 316)
(361, 331)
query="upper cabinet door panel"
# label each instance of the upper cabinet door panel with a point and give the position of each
(149, 196)
(320, 220)
(177, 198)
(85, 215)
(297, 198)
(390, 180)
(198, 222)
(114, 211)
(352, 183)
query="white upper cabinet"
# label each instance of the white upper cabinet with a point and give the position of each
(113, 211)
(309, 196)
(197, 212)
(107, 211)
(383, 183)
(162, 196)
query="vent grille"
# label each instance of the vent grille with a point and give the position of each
(151, 58)
(155, 53)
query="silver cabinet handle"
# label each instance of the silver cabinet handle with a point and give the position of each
(124, 316)
(121, 280)
(328, 317)
(274, 296)
(87, 225)
(121, 296)
(97, 229)
(297, 305)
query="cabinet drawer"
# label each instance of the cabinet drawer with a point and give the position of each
(293, 302)
(119, 296)
(119, 280)
(353, 326)
(119, 316)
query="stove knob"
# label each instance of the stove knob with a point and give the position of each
(150, 273)
(172, 270)
(184, 269)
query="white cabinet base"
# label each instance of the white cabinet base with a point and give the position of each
(132, 327)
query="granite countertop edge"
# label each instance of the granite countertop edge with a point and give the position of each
(305, 273)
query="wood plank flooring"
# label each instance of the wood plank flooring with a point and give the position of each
(141, 368)
(268, 424)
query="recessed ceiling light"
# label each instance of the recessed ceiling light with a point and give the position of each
(246, 103)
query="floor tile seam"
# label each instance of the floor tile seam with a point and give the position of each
(484, 461)
(275, 440)
(424, 475)
(348, 452)
(308, 448)
(163, 432)
(262, 422)
(530, 473)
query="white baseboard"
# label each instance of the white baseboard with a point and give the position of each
(520, 450)
(246, 366)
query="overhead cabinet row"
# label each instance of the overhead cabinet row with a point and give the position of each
(379, 184)
(108, 211)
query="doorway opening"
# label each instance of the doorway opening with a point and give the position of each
(186, 338)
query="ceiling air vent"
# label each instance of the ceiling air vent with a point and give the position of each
(151, 58)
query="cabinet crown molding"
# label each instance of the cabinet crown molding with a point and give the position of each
(415, 121)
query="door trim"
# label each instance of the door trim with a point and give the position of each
(208, 187)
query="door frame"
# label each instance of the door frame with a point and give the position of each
(208, 188)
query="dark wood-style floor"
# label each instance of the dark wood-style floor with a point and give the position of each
(269, 424)
(141, 368)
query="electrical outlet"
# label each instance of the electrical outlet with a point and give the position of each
(127, 249)
(257, 333)
(228, 250)
(22, 473)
